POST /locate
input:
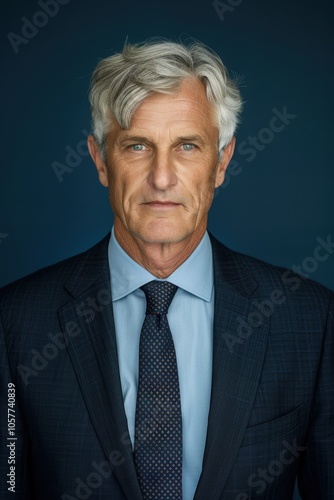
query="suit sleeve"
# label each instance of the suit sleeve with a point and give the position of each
(14, 462)
(316, 478)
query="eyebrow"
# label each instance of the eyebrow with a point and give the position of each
(191, 138)
(139, 139)
(133, 138)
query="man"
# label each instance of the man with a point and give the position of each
(159, 363)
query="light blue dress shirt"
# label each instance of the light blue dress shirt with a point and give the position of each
(190, 318)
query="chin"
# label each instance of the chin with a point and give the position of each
(162, 233)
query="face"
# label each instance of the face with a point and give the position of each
(161, 172)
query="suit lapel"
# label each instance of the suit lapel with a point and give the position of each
(91, 342)
(238, 355)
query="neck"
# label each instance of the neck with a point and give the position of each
(160, 259)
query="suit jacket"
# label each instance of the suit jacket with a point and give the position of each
(271, 412)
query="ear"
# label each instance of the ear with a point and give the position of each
(95, 153)
(227, 154)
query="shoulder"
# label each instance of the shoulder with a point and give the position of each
(270, 281)
(44, 285)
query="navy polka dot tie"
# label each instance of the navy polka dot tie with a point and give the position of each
(158, 428)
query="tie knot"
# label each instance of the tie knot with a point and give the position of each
(159, 295)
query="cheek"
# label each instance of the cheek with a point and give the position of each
(202, 186)
(124, 188)
(115, 190)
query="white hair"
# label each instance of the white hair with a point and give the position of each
(121, 82)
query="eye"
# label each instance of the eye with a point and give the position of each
(137, 147)
(188, 147)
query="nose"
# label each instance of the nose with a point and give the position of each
(162, 175)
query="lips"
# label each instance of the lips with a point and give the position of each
(161, 204)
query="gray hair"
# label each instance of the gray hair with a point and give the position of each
(121, 82)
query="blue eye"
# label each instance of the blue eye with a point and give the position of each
(137, 147)
(188, 147)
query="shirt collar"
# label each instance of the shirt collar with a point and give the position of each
(195, 275)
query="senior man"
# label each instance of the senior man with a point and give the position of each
(159, 364)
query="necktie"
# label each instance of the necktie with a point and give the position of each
(158, 428)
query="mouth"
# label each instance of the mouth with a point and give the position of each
(162, 204)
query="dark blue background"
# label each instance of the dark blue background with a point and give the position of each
(277, 206)
(274, 209)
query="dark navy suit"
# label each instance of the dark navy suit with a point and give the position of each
(272, 402)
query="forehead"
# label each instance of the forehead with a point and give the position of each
(187, 106)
